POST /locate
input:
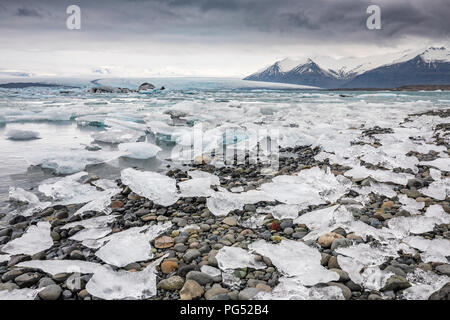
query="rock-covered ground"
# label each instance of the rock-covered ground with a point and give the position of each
(376, 230)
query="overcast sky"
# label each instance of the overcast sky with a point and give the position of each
(144, 38)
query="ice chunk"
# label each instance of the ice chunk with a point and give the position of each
(199, 185)
(19, 294)
(440, 188)
(435, 250)
(222, 202)
(53, 267)
(381, 189)
(151, 185)
(309, 187)
(387, 176)
(101, 204)
(292, 289)
(68, 190)
(283, 211)
(440, 163)
(411, 205)
(139, 150)
(22, 135)
(197, 174)
(91, 234)
(97, 222)
(36, 239)
(30, 199)
(295, 259)
(115, 136)
(4, 257)
(235, 258)
(120, 251)
(114, 285)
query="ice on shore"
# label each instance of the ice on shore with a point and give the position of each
(442, 164)
(295, 259)
(53, 267)
(222, 202)
(440, 188)
(36, 239)
(199, 185)
(387, 176)
(120, 251)
(91, 234)
(410, 205)
(30, 199)
(69, 190)
(293, 289)
(101, 204)
(91, 223)
(235, 258)
(139, 150)
(151, 185)
(22, 135)
(436, 250)
(423, 284)
(114, 285)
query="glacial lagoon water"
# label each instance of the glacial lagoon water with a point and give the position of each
(70, 122)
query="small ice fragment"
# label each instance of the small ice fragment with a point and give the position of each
(4, 257)
(139, 150)
(235, 258)
(19, 294)
(97, 222)
(100, 204)
(63, 266)
(91, 234)
(423, 284)
(387, 176)
(295, 259)
(36, 239)
(115, 136)
(284, 211)
(151, 185)
(22, 135)
(436, 250)
(439, 163)
(32, 201)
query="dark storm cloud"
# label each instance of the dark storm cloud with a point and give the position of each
(329, 20)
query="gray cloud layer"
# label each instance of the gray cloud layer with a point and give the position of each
(330, 20)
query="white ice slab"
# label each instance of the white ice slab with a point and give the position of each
(235, 258)
(36, 239)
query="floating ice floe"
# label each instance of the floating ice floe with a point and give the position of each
(115, 136)
(293, 289)
(36, 239)
(139, 150)
(151, 185)
(19, 294)
(53, 267)
(295, 259)
(360, 173)
(26, 197)
(114, 285)
(22, 135)
(235, 258)
(436, 250)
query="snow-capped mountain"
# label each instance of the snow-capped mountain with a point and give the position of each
(424, 67)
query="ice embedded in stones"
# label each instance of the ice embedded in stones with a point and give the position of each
(235, 258)
(36, 239)
(283, 211)
(151, 185)
(53, 267)
(139, 150)
(439, 163)
(100, 204)
(293, 289)
(410, 205)
(91, 223)
(114, 285)
(22, 135)
(309, 187)
(199, 185)
(91, 234)
(435, 250)
(4, 257)
(423, 284)
(295, 259)
(439, 189)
